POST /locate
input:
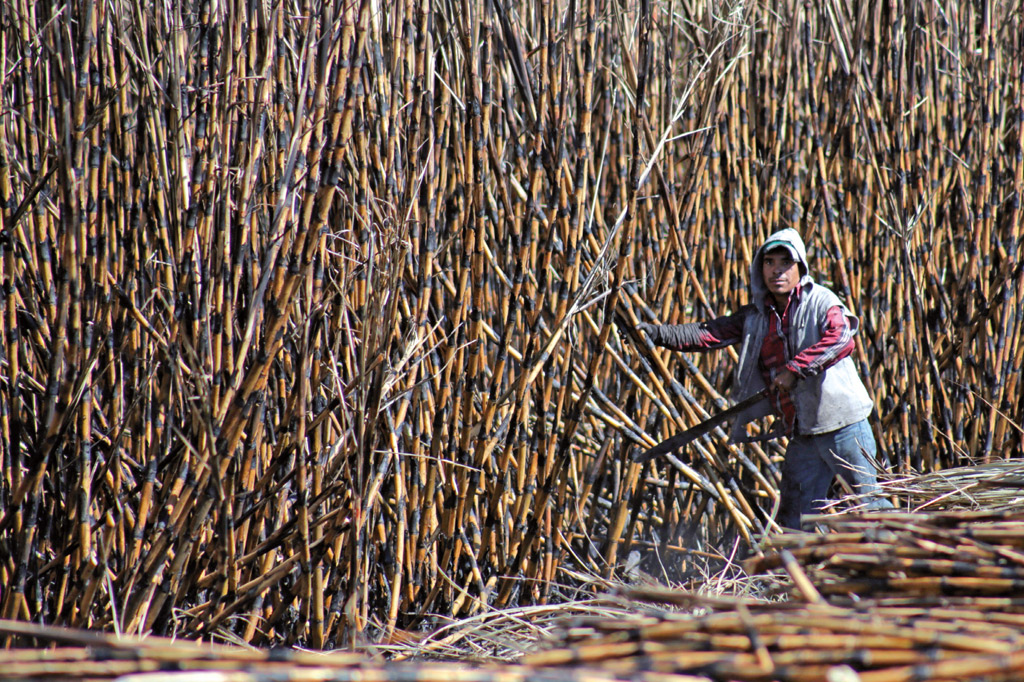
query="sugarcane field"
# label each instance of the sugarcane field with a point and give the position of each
(512, 340)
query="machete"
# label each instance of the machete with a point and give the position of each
(694, 432)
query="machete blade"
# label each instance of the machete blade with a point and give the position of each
(694, 432)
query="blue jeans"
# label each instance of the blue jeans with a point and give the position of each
(812, 461)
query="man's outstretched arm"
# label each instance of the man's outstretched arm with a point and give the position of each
(698, 336)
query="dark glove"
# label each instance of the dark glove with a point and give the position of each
(651, 330)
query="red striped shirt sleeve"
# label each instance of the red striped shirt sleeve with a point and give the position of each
(836, 343)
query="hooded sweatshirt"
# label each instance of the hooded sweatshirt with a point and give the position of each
(825, 401)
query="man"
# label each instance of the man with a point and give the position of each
(796, 338)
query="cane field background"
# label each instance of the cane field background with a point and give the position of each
(317, 314)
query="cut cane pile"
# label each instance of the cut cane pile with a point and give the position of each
(880, 597)
(892, 596)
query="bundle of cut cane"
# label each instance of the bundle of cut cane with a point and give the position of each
(968, 558)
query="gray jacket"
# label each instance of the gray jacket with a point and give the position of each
(824, 402)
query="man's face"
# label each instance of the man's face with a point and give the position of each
(781, 273)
